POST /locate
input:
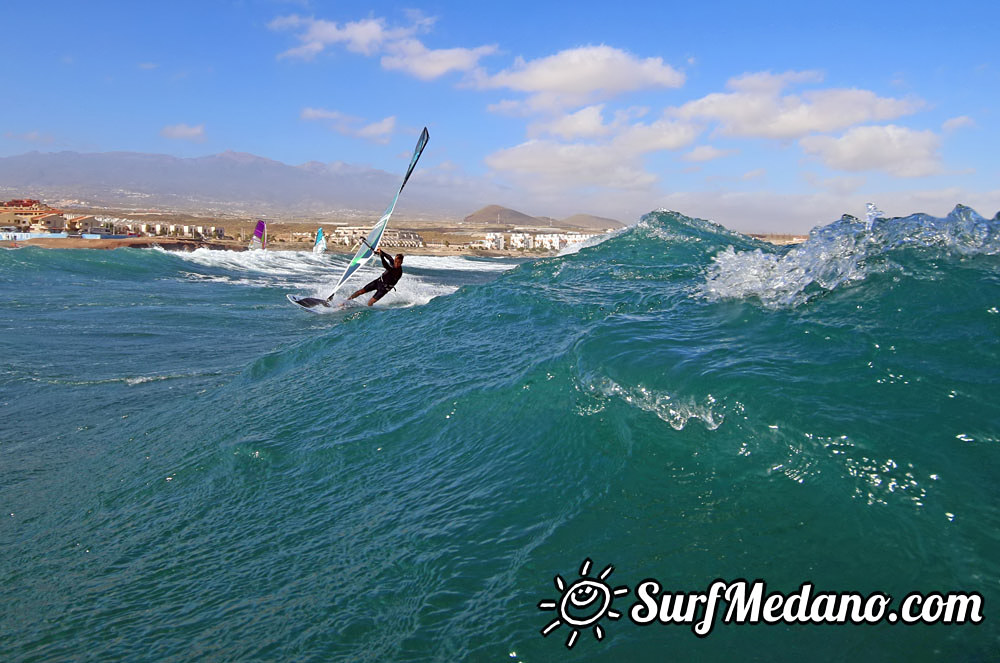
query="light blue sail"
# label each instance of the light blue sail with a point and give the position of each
(320, 245)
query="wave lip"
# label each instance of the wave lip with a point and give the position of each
(845, 252)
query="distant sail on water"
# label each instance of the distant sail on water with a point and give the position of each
(320, 245)
(259, 239)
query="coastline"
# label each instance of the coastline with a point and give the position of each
(180, 244)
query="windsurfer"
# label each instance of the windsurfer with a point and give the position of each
(386, 282)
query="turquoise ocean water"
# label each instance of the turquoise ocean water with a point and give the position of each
(192, 469)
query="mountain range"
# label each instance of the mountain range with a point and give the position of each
(245, 184)
(230, 182)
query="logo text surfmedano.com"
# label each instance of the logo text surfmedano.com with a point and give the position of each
(583, 603)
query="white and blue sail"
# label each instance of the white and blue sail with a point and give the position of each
(320, 245)
(366, 250)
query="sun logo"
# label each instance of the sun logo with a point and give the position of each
(583, 604)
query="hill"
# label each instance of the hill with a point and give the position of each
(590, 222)
(497, 216)
(501, 218)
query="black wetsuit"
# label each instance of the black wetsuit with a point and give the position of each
(383, 284)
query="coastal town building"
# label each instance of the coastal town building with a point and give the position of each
(81, 224)
(47, 223)
(494, 241)
(27, 207)
(117, 226)
(522, 241)
(558, 241)
(12, 222)
(31, 216)
(526, 241)
(352, 235)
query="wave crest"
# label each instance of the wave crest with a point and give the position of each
(844, 252)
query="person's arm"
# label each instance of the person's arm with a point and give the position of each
(385, 262)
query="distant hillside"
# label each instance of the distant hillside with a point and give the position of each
(248, 185)
(497, 216)
(230, 181)
(590, 222)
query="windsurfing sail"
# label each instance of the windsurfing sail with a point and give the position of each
(259, 239)
(320, 245)
(366, 250)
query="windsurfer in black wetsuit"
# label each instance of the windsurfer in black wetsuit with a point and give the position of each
(386, 282)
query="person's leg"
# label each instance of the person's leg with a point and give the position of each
(368, 288)
(379, 293)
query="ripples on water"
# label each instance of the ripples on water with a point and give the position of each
(194, 469)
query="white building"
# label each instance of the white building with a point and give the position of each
(352, 235)
(522, 241)
(550, 241)
(494, 241)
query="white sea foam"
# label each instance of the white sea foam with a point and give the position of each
(593, 241)
(781, 280)
(306, 274)
(283, 263)
(458, 263)
(411, 291)
(844, 252)
(298, 262)
(675, 411)
(414, 291)
(130, 381)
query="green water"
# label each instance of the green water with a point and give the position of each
(191, 469)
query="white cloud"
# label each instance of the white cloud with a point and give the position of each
(506, 107)
(896, 150)
(765, 82)
(542, 165)
(348, 125)
(960, 122)
(413, 57)
(148, 66)
(323, 114)
(400, 49)
(547, 165)
(587, 122)
(843, 185)
(664, 134)
(365, 37)
(707, 153)
(755, 174)
(380, 131)
(184, 132)
(582, 75)
(757, 109)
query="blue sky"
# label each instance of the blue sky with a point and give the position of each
(770, 117)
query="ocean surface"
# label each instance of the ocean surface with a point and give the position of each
(193, 469)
